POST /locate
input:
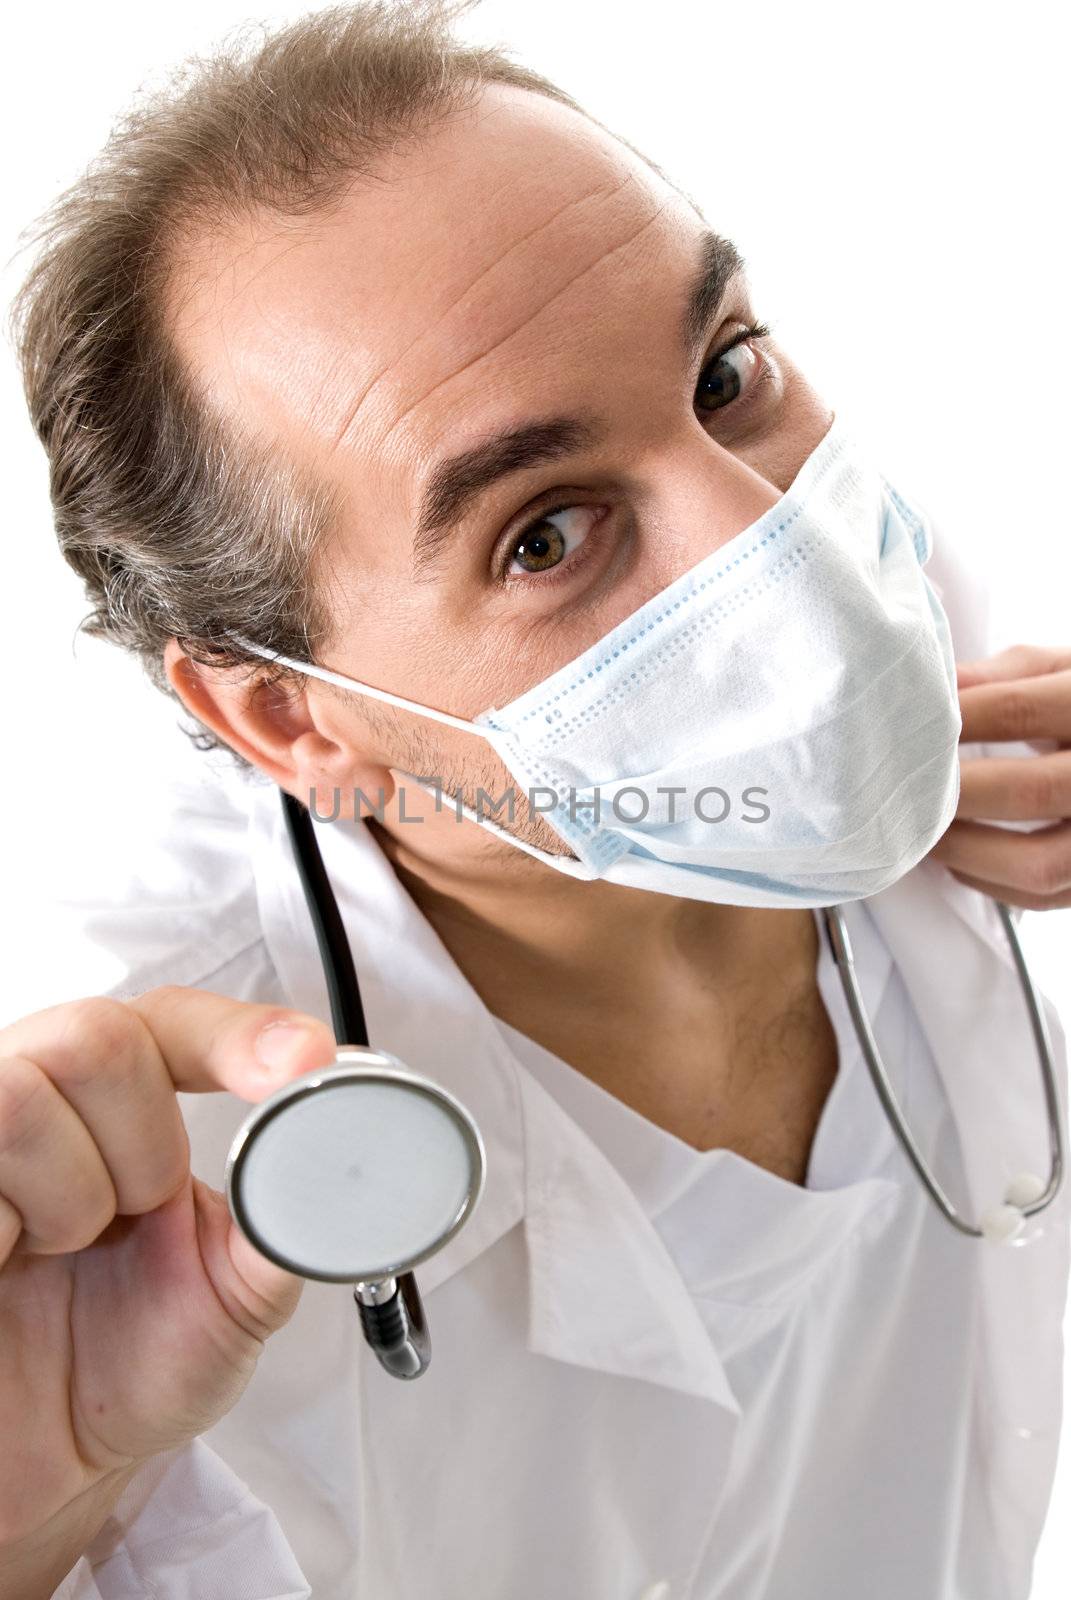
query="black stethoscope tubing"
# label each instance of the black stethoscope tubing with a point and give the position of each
(392, 1313)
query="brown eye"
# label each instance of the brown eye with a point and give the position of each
(724, 378)
(544, 545)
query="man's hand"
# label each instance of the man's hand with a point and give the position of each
(132, 1311)
(1023, 693)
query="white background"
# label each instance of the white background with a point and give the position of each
(896, 176)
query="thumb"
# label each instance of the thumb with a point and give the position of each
(258, 1295)
(268, 1291)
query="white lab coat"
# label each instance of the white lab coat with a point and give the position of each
(502, 1472)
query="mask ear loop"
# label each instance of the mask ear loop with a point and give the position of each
(340, 681)
(566, 864)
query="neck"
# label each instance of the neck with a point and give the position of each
(613, 979)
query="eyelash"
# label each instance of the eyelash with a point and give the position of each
(752, 330)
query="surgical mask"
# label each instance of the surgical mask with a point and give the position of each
(778, 727)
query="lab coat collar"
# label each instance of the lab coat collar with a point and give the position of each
(603, 1291)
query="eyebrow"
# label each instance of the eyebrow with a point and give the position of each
(457, 482)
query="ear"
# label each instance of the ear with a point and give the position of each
(282, 731)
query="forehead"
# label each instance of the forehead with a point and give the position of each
(475, 269)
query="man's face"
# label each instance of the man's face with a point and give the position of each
(518, 267)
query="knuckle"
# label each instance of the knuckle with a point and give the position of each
(80, 1228)
(1043, 658)
(170, 1173)
(76, 1216)
(164, 998)
(165, 994)
(1017, 714)
(23, 1100)
(1027, 659)
(1040, 791)
(100, 1033)
(1033, 876)
(69, 1237)
(1046, 872)
(91, 1224)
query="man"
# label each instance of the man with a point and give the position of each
(705, 1334)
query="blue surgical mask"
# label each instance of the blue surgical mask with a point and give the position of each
(778, 727)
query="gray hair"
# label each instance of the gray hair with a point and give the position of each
(178, 522)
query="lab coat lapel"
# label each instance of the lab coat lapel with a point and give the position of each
(603, 1291)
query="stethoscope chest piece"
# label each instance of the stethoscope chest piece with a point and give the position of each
(356, 1173)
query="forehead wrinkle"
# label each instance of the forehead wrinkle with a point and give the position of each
(483, 354)
(484, 272)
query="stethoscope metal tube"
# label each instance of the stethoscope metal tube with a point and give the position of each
(392, 1318)
(1020, 1202)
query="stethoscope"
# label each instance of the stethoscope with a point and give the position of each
(1027, 1193)
(357, 1173)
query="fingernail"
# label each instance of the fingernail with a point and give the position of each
(279, 1045)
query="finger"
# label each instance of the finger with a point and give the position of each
(1017, 661)
(207, 1041)
(118, 1064)
(1037, 863)
(101, 1057)
(1016, 897)
(1019, 708)
(257, 1294)
(51, 1172)
(1016, 789)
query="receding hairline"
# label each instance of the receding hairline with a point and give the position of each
(205, 235)
(156, 505)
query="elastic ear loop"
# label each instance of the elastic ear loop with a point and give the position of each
(567, 864)
(340, 680)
